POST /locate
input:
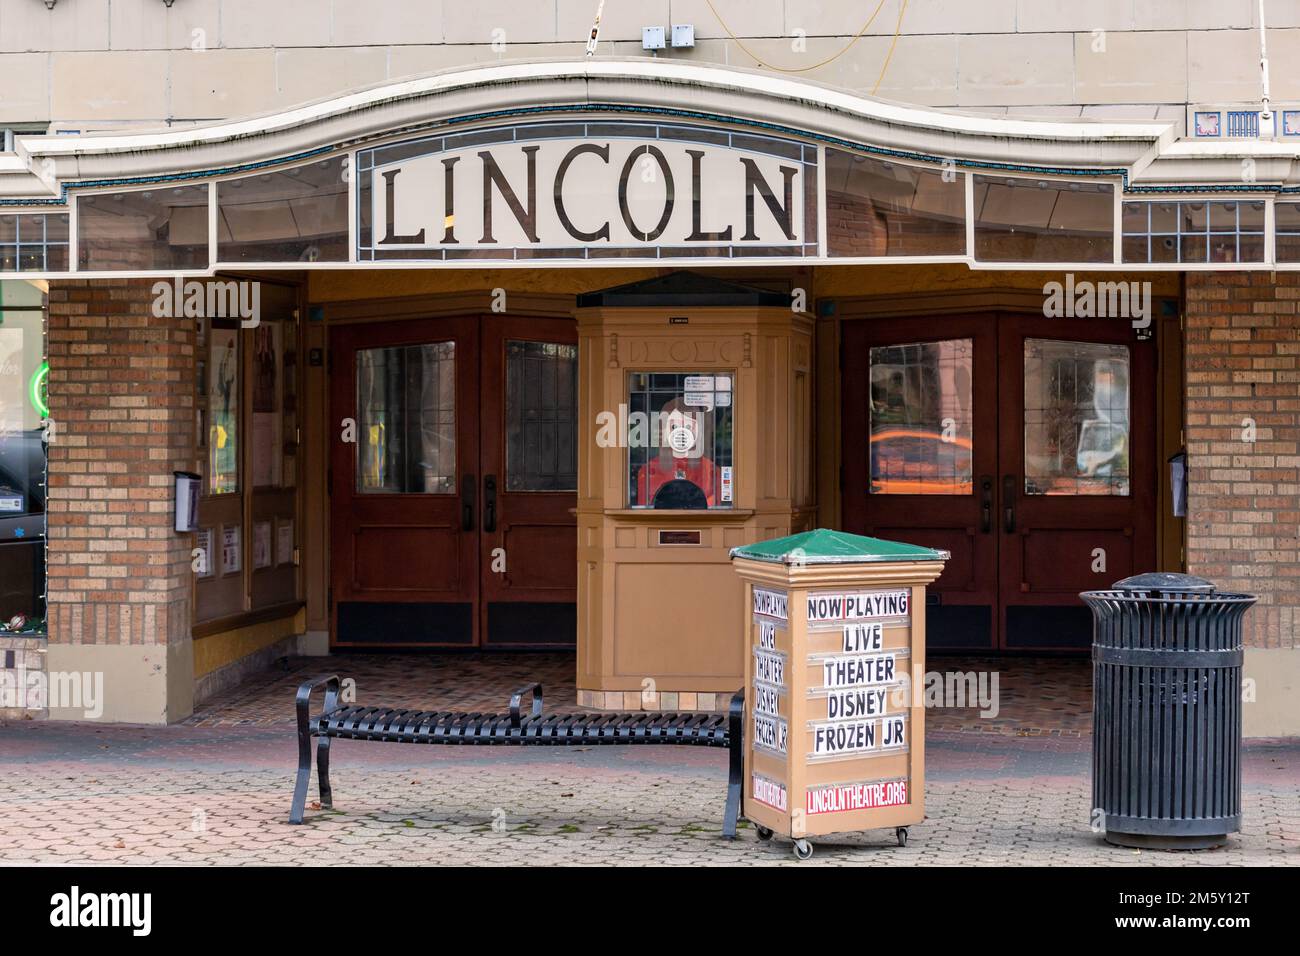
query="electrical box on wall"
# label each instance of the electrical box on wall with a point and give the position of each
(187, 501)
(652, 38)
(683, 35)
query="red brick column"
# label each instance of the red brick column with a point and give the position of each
(1243, 523)
(1243, 362)
(121, 394)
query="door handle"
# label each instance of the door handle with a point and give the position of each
(489, 503)
(986, 504)
(467, 487)
(1009, 503)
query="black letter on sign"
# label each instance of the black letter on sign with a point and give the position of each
(696, 235)
(389, 204)
(492, 175)
(754, 180)
(449, 199)
(668, 193)
(569, 227)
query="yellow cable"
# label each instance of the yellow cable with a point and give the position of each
(803, 69)
(898, 28)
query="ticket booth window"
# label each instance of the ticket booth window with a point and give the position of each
(679, 437)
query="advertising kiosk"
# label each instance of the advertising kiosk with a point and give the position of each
(835, 665)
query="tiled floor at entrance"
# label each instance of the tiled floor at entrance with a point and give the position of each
(1019, 696)
(1013, 789)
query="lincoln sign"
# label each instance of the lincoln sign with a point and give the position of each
(537, 194)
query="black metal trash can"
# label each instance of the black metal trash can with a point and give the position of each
(1166, 721)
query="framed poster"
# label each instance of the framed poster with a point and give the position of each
(267, 415)
(261, 544)
(284, 542)
(223, 412)
(231, 550)
(203, 542)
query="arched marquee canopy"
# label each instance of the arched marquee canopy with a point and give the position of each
(639, 161)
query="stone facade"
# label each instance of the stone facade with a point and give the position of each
(89, 65)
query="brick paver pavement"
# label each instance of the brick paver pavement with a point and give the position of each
(216, 791)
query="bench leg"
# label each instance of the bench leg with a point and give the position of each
(323, 773)
(736, 769)
(299, 806)
(302, 702)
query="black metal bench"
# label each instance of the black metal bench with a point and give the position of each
(390, 725)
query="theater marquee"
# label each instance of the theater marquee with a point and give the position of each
(587, 191)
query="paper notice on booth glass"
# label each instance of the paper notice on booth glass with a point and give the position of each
(725, 483)
(723, 399)
(698, 383)
(723, 384)
(702, 400)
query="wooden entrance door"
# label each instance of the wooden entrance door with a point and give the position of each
(1024, 446)
(453, 483)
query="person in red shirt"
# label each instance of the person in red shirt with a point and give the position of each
(681, 455)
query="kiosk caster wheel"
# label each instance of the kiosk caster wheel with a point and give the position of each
(802, 849)
(764, 834)
(901, 834)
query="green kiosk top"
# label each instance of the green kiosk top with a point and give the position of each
(824, 546)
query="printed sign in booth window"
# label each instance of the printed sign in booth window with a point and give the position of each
(679, 436)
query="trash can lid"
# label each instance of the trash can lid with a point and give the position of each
(824, 546)
(1163, 581)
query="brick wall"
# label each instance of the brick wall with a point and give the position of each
(121, 395)
(1243, 529)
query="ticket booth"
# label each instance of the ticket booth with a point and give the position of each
(834, 720)
(697, 431)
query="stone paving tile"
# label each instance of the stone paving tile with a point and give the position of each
(1013, 789)
(573, 806)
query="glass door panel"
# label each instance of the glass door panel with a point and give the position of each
(1076, 418)
(406, 419)
(922, 418)
(541, 416)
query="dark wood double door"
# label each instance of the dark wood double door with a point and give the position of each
(453, 483)
(1024, 446)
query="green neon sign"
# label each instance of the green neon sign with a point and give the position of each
(36, 390)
